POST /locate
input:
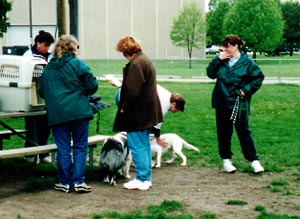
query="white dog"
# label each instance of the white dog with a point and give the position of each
(115, 158)
(175, 145)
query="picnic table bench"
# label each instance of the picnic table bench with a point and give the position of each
(50, 148)
(6, 134)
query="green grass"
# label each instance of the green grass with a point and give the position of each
(271, 66)
(275, 127)
(166, 210)
(274, 123)
(208, 215)
(236, 202)
(267, 215)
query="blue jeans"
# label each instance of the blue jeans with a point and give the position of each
(71, 172)
(139, 145)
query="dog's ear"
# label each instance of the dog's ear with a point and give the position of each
(107, 144)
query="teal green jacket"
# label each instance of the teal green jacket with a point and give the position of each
(244, 75)
(65, 85)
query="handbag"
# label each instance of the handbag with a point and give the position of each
(97, 104)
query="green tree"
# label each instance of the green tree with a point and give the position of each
(259, 23)
(214, 23)
(188, 30)
(5, 6)
(213, 4)
(291, 33)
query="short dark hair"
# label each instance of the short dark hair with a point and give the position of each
(44, 37)
(179, 100)
(233, 40)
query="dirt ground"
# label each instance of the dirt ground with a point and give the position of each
(199, 189)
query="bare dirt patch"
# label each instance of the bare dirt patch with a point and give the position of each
(199, 189)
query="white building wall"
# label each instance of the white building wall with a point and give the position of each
(43, 18)
(148, 20)
(102, 23)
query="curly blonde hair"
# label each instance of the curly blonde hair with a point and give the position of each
(128, 45)
(66, 44)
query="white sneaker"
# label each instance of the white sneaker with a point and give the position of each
(228, 167)
(137, 184)
(149, 183)
(257, 167)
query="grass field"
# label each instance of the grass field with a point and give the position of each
(275, 128)
(274, 123)
(283, 66)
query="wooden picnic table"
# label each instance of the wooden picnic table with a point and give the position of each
(12, 131)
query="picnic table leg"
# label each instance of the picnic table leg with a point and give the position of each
(53, 160)
(16, 133)
(91, 157)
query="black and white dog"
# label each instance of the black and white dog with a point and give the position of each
(115, 158)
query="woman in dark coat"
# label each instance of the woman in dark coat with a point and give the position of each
(238, 78)
(139, 109)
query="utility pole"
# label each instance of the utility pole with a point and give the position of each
(61, 17)
(30, 24)
(74, 17)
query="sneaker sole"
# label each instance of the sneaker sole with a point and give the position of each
(82, 190)
(62, 189)
(142, 189)
(258, 172)
(232, 171)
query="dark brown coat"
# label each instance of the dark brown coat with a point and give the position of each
(139, 98)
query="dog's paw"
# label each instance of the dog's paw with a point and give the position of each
(153, 164)
(106, 180)
(127, 176)
(113, 183)
(157, 166)
(183, 164)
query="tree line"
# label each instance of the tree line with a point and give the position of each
(269, 26)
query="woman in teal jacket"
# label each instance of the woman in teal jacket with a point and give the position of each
(237, 79)
(65, 85)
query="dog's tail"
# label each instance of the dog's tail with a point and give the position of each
(189, 146)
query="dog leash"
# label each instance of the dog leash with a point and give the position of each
(235, 110)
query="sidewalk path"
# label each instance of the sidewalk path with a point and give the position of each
(268, 80)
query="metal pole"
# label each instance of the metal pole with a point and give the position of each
(74, 17)
(279, 71)
(30, 22)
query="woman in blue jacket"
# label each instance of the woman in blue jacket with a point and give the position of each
(238, 78)
(65, 85)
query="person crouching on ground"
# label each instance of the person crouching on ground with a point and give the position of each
(170, 102)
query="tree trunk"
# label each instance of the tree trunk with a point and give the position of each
(190, 49)
(254, 55)
(61, 17)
